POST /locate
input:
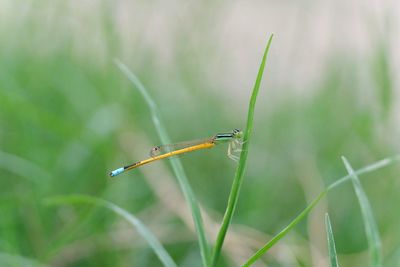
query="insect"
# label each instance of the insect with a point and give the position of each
(234, 139)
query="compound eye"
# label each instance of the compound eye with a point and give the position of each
(154, 151)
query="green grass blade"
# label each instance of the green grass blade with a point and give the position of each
(331, 242)
(177, 166)
(237, 182)
(372, 167)
(157, 247)
(23, 168)
(285, 230)
(371, 229)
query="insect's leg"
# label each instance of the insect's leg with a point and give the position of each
(234, 158)
(229, 150)
(240, 141)
(237, 146)
(230, 155)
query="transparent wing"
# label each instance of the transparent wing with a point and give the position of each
(234, 149)
(162, 149)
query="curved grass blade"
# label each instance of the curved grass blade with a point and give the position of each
(177, 166)
(157, 247)
(237, 182)
(23, 168)
(331, 242)
(285, 230)
(371, 229)
(369, 168)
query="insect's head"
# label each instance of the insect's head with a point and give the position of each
(237, 133)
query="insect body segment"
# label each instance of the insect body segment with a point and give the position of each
(162, 149)
(169, 150)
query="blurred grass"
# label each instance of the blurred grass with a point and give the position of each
(66, 109)
(153, 242)
(175, 163)
(371, 229)
(331, 243)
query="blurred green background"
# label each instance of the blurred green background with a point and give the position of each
(68, 116)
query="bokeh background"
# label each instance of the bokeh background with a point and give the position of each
(68, 116)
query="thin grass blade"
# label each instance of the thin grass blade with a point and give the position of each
(331, 242)
(371, 229)
(154, 243)
(23, 168)
(367, 169)
(237, 182)
(177, 166)
(284, 231)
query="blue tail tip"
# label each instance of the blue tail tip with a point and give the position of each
(116, 172)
